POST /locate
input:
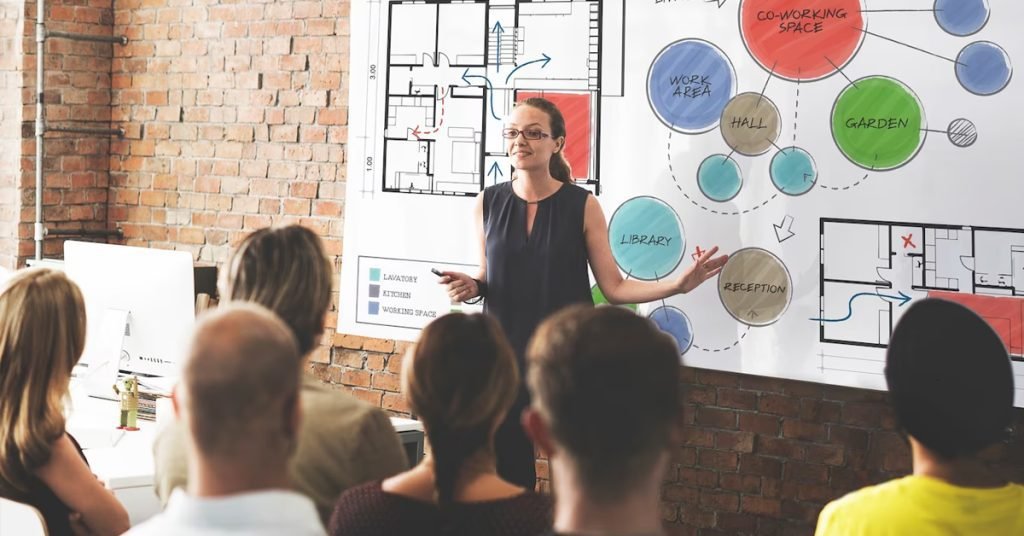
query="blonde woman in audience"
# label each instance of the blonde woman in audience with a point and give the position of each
(951, 386)
(460, 379)
(42, 335)
(239, 400)
(606, 410)
(342, 441)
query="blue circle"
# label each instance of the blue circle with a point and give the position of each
(689, 84)
(647, 238)
(675, 323)
(961, 17)
(719, 178)
(983, 68)
(793, 171)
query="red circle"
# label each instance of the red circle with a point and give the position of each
(802, 39)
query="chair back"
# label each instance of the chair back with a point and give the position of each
(20, 518)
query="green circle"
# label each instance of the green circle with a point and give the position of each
(877, 123)
(599, 299)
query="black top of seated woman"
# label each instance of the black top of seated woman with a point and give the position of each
(41, 497)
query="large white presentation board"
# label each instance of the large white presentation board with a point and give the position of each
(851, 155)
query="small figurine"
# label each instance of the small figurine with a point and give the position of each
(129, 403)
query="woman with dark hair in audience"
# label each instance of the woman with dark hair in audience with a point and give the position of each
(42, 336)
(951, 387)
(460, 379)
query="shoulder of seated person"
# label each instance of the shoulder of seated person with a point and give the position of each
(62, 453)
(318, 395)
(872, 503)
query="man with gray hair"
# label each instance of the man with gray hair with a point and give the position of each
(239, 399)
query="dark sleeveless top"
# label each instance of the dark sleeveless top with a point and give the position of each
(368, 510)
(529, 278)
(40, 496)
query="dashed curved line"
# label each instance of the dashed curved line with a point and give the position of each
(796, 110)
(672, 172)
(847, 187)
(723, 349)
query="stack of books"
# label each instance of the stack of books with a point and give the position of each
(147, 404)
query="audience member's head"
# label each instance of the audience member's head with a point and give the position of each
(42, 335)
(239, 389)
(949, 378)
(285, 270)
(460, 380)
(606, 398)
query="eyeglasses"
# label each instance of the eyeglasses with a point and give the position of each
(532, 134)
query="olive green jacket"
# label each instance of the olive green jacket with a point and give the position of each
(343, 442)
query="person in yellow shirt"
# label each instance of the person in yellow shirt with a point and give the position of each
(951, 386)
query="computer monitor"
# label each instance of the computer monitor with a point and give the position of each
(151, 291)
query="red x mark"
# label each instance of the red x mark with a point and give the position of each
(698, 254)
(907, 241)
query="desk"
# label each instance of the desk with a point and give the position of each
(126, 467)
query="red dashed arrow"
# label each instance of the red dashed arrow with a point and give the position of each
(417, 132)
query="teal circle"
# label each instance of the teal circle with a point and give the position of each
(719, 178)
(646, 238)
(793, 171)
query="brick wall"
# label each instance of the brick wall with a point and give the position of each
(77, 94)
(760, 456)
(763, 456)
(236, 116)
(236, 119)
(12, 23)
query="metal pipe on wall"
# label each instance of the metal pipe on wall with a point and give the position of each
(37, 230)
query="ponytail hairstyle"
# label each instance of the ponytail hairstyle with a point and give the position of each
(42, 336)
(558, 166)
(461, 380)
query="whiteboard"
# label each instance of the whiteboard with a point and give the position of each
(852, 155)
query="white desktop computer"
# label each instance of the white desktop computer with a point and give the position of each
(140, 308)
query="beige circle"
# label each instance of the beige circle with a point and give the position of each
(755, 287)
(750, 124)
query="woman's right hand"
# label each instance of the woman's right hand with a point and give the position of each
(461, 287)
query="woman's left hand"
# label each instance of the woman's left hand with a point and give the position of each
(703, 268)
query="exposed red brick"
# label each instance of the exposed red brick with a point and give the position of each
(735, 398)
(717, 459)
(760, 424)
(721, 501)
(756, 505)
(716, 418)
(747, 484)
(734, 441)
(779, 405)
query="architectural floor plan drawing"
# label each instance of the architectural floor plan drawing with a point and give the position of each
(455, 69)
(871, 269)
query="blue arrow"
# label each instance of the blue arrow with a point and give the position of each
(499, 30)
(465, 78)
(495, 171)
(902, 298)
(545, 58)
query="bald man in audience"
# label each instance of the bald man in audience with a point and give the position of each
(239, 400)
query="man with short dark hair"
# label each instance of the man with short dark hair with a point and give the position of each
(951, 386)
(239, 400)
(606, 405)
